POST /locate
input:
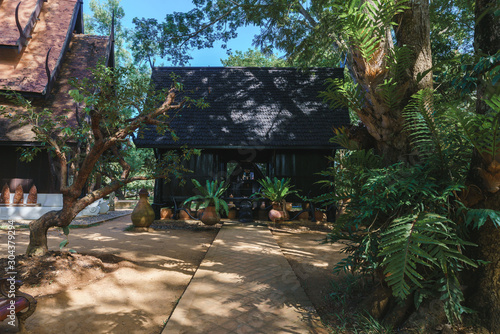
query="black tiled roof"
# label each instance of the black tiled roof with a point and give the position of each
(250, 107)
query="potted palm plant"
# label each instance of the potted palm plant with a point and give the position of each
(275, 190)
(210, 198)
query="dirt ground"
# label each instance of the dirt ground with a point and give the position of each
(128, 282)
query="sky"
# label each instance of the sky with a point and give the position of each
(159, 8)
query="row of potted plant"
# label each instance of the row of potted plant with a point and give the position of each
(210, 197)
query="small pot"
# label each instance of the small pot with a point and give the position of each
(183, 215)
(304, 216)
(165, 213)
(233, 213)
(319, 216)
(275, 215)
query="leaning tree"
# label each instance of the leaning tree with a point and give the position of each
(111, 106)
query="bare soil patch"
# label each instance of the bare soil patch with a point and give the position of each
(118, 281)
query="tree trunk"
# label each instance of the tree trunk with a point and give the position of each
(486, 42)
(386, 124)
(38, 233)
(485, 282)
(483, 293)
(38, 228)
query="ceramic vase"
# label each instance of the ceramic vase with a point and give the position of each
(233, 213)
(165, 213)
(183, 215)
(210, 216)
(276, 214)
(143, 214)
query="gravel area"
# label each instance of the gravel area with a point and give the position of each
(81, 221)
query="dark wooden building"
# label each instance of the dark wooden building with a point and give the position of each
(42, 46)
(260, 122)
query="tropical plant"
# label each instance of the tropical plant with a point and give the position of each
(275, 190)
(210, 195)
(402, 220)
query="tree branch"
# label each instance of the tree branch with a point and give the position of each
(307, 16)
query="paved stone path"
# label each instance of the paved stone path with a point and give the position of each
(244, 285)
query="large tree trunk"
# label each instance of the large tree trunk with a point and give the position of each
(38, 228)
(38, 233)
(384, 124)
(485, 282)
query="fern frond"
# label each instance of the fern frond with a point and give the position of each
(400, 247)
(342, 138)
(483, 131)
(422, 125)
(478, 217)
(392, 93)
(344, 93)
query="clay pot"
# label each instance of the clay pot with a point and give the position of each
(165, 213)
(233, 213)
(183, 215)
(276, 213)
(288, 206)
(210, 216)
(143, 214)
(319, 216)
(304, 216)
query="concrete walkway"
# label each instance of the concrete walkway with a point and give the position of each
(244, 285)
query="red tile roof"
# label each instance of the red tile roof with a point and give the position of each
(25, 72)
(84, 52)
(8, 27)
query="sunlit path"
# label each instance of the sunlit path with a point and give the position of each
(244, 285)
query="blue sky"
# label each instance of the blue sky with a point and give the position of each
(159, 8)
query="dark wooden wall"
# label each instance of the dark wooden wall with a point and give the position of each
(13, 171)
(301, 166)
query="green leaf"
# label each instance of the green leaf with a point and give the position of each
(63, 244)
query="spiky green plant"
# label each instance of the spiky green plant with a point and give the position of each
(210, 194)
(276, 190)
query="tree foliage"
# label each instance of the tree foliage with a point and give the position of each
(252, 58)
(94, 144)
(100, 23)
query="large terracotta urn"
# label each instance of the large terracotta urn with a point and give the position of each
(210, 216)
(143, 214)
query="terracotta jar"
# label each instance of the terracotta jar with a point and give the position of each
(304, 216)
(143, 214)
(319, 216)
(276, 213)
(165, 213)
(210, 216)
(233, 213)
(183, 214)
